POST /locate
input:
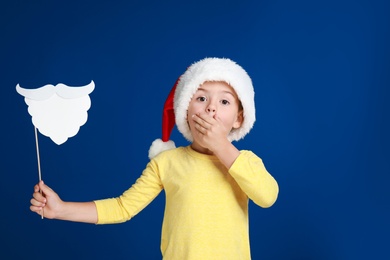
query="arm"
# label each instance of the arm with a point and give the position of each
(250, 174)
(133, 200)
(106, 211)
(245, 167)
(55, 208)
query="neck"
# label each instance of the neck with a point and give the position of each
(196, 147)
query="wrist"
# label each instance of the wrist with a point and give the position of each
(227, 154)
(61, 211)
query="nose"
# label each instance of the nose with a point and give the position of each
(211, 109)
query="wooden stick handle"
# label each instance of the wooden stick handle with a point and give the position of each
(39, 161)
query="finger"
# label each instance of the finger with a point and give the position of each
(201, 121)
(36, 188)
(39, 197)
(36, 209)
(202, 125)
(210, 119)
(44, 188)
(200, 129)
(37, 203)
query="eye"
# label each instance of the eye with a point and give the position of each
(201, 99)
(225, 102)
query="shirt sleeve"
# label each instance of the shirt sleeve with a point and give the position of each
(251, 175)
(133, 200)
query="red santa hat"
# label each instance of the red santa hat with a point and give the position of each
(176, 105)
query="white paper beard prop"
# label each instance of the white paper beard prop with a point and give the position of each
(58, 111)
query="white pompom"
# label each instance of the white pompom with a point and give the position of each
(159, 146)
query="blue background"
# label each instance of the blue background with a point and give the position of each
(321, 76)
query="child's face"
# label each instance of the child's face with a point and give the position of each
(216, 99)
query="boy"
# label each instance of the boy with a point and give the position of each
(207, 184)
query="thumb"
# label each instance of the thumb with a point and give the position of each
(44, 188)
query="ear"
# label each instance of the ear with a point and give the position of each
(239, 120)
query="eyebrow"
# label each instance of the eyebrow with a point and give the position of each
(227, 92)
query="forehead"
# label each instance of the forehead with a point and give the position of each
(217, 85)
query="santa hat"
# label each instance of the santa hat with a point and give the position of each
(176, 105)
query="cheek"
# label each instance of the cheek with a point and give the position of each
(225, 120)
(228, 119)
(193, 109)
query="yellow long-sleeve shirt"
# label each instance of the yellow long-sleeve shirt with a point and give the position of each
(206, 211)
